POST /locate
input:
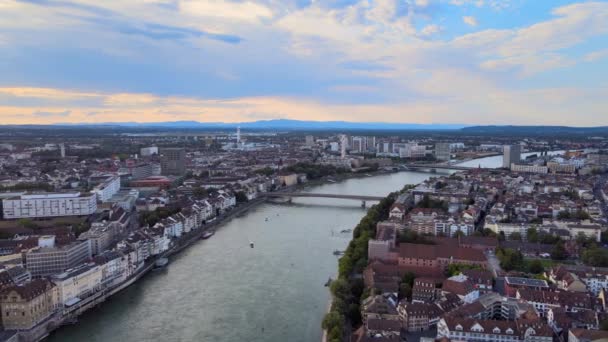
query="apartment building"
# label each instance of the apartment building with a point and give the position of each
(49, 205)
(24, 306)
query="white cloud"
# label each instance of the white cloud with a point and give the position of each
(247, 10)
(596, 55)
(469, 20)
(478, 3)
(430, 30)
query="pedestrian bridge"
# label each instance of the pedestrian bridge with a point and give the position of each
(290, 195)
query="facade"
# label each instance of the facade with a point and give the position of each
(148, 151)
(101, 235)
(173, 161)
(77, 283)
(107, 188)
(49, 205)
(442, 151)
(412, 151)
(141, 171)
(24, 306)
(160, 182)
(467, 329)
(511, 155)
(48, 259)
(525, 168)
(414, 256)
(418, 316)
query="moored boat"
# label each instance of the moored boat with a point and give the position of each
(161, 263)
(207, 234)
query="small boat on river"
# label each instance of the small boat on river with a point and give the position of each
(161, 263)
(208, 234)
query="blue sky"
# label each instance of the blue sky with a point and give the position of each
(415, 61)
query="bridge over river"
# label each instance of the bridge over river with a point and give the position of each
(290, 195)
(435, 167)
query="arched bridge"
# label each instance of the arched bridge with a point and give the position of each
(290, 195)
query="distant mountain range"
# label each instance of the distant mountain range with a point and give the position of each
(534, 130)
(281, 124)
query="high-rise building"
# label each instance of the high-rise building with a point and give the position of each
(310, 140)
(62, 150)
(343, 143)
(511, 155)
(442, 151)
(173, 161)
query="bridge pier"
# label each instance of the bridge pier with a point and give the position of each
(362, 204)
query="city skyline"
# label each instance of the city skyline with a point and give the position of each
(420, 61)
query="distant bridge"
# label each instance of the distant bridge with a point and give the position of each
(437, 167)
(290, 195)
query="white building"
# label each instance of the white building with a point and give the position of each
(509, 228)
(148, 151)
(529, 168)
(412, 151)
(49, 205)
(78, 283)
(107, 188)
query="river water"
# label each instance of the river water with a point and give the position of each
(222, 290)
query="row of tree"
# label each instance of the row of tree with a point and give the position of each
(348, 289)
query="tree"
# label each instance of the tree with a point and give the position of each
(604, 325)
(200, 192)
(516, 236)
(241, 197)
(536, 267)
(455, 269)
(408, 278)
(595, 256)
(332, 319)
(559, 251)
(27, 223)
(405, 291)
(532, 235)
(582, 240)
(510, 259)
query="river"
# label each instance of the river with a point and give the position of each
(222, 290)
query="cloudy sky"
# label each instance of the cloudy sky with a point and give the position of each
(410, 61)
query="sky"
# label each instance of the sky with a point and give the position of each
(473, 62)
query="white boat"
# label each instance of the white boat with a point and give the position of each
(208, 234)
(161, 263)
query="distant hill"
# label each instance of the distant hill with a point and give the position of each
(281, 124)
(535, 130)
